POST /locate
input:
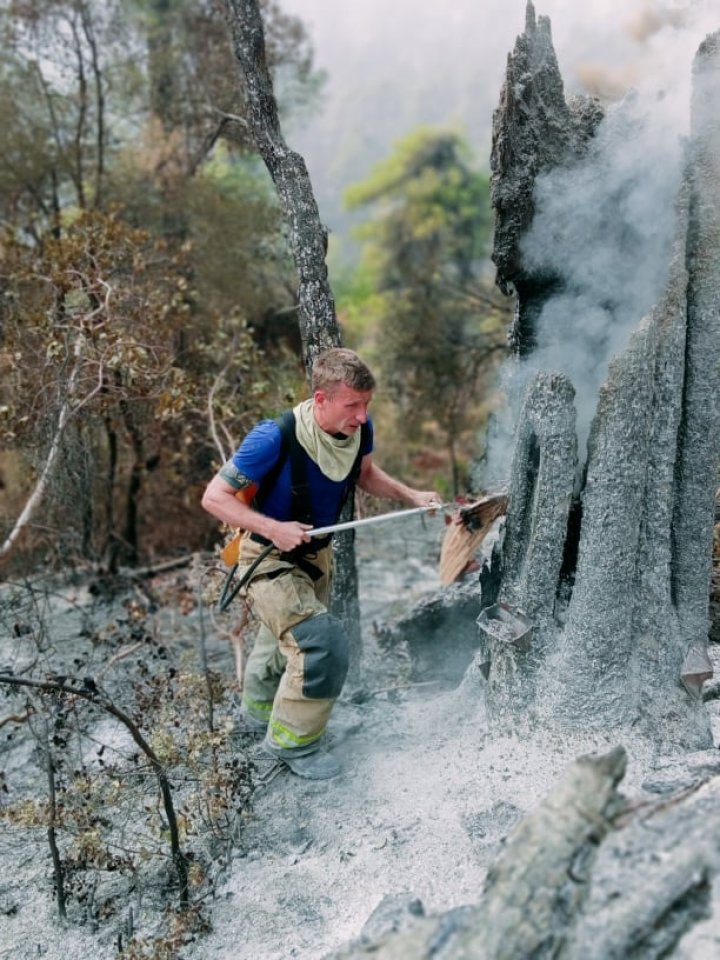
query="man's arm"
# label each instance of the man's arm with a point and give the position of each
(375, 481)
(222, 501)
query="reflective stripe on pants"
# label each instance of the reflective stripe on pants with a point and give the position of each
(285, 666)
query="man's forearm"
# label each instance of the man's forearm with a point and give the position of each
(221, 502)
(380, 484)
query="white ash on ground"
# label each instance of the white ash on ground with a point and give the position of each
(420, 812)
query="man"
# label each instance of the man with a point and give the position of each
(300, 658)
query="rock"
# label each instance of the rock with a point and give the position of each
(439, 635)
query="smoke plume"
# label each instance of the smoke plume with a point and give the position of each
(604, 228)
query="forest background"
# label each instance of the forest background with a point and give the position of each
(149, 298)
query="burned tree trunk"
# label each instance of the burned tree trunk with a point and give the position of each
(534, 130)
(318, 324)
(619, 632)
(319, 328)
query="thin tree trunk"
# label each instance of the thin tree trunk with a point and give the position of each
(130, 533)
(110, 551)
(318, 324)
(52, 839)
(87, 26)
(319, 328)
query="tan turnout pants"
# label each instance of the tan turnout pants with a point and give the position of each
(299, 660)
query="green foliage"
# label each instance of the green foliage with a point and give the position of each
(141, 262)
(437, 328)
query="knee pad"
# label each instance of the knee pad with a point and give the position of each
(324, 642)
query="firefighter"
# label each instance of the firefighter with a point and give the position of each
(288, 476)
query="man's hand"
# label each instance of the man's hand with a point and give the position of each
(289, 534)
(427, 498)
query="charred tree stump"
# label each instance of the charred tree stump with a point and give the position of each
(534, 130)
(539, 499)
(619, 635)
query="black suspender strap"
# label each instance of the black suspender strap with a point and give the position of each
(300, 500)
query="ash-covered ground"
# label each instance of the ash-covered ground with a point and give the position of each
(420, 813)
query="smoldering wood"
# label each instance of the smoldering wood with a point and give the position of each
(623, 918)
(620, 634)
(438, 638)
(587, 875)
(619, 596)
(699, 436)
(540, 493)
(540, 881)
(534, 130)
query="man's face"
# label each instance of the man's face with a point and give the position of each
(341, 410)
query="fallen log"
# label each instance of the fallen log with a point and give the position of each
(587, 876)
(539, 883)
(535, 889)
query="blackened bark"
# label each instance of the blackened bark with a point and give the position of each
(134, 488)
(534, 130)
(58, 868)
(699, 438)
(318, 322)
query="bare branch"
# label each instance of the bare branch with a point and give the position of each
(224, 454)
(93, 694)
(16, 718)
(120, 655)
(230, 117)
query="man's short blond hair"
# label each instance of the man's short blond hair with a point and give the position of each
(340, 365)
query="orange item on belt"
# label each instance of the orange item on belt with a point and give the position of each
(231, 551)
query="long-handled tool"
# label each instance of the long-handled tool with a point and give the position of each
(381, 518)
(230, 590)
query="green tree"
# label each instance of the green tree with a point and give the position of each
(141, 248)
(438, 326)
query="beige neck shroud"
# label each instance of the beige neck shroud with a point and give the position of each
(334, 455)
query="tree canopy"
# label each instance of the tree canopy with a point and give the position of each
(141, 257)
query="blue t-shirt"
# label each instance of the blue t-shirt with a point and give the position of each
(259, 453)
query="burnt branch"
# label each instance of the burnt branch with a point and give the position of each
(90, 692)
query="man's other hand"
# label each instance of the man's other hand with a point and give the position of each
(289, 534)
